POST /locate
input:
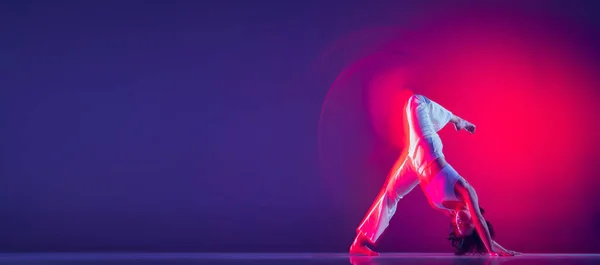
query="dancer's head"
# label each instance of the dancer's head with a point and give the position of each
(463, 236)
(462, 223)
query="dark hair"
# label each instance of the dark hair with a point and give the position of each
(471, 244)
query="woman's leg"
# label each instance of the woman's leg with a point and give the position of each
(401, 181)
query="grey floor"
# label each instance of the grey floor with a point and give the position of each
(290, 259)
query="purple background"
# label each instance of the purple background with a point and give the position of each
(190, 125)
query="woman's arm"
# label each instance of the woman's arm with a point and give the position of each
(501, 248)
(471, 200)
(498, 246)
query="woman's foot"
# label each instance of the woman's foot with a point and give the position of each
(460, 124)
(359, 246)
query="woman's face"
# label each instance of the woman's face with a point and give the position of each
(463, 224)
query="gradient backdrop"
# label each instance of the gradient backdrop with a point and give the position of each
(238, 126)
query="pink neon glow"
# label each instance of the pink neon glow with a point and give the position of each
(528, 86)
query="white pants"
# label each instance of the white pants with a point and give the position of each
(401, 181)
(424, 118)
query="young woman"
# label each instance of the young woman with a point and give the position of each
(423, 163)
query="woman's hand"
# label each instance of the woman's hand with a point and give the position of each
(504, 253)
(514, 253)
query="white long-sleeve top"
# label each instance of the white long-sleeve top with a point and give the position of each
(425, 118)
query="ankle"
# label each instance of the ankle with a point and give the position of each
(361, 240)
